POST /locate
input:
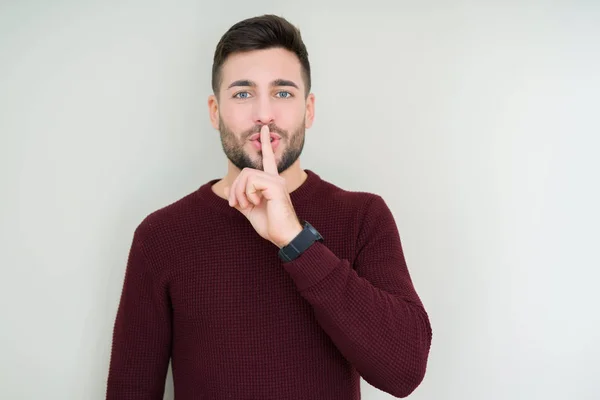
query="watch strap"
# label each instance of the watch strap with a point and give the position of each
(300, 243)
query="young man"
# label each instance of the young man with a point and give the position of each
(270, 283)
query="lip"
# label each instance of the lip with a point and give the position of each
(256, 136)
(258, 145)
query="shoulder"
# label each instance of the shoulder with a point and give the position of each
(351, 216)
(169, 221)
(356, 202)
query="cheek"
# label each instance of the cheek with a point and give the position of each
(235, 118)
(289, 115)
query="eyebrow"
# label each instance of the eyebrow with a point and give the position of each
(275, 83)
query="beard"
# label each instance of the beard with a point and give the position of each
(233, 146)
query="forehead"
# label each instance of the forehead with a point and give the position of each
(262, 67)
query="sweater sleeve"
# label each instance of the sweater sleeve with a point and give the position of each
(371, 312)
(142, 332)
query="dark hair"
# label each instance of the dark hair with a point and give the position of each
(259, 33)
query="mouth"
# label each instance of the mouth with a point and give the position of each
(256, 143)
(256, 137)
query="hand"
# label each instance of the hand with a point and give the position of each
(262, 196)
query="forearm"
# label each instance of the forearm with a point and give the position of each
(385, 336)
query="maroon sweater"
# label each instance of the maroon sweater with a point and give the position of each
(204, 290)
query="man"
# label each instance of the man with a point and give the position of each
(270, 283)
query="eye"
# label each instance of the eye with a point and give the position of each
(285, 94)
(241, 95)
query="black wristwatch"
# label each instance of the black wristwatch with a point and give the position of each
(300, 243)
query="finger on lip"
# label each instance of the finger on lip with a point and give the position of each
(259, 135)
(269, 164)
(265, 134)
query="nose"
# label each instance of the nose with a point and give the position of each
(263, 113)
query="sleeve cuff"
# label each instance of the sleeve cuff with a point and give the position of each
(312, 266)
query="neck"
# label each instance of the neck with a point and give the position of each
(294, 177)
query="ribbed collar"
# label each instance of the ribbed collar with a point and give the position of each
(218, 204)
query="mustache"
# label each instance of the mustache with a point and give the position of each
(272, 128)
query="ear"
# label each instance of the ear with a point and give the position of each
(213, 110)
(310, 111)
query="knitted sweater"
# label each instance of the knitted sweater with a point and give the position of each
(204, 291)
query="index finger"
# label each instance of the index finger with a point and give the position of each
(269, 164)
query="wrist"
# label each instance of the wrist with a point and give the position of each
(288, 237)
(300, 243)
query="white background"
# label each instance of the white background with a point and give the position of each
(478, 122)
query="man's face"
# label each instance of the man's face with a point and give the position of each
(263, 87)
